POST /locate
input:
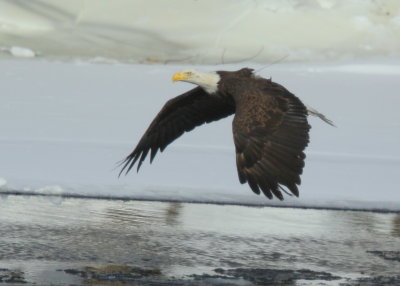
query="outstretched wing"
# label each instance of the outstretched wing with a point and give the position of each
(270, 138)
(180, 114)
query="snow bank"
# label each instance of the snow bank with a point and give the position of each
(207, 31)
(67, 125)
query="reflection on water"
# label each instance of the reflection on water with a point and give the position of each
(174, 236)
(396, 226)
(143, 213)
(172, 213)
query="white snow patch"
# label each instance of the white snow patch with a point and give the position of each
(53, 193)
(50, 190)
(21, 52)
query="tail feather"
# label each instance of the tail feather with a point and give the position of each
(313, 112)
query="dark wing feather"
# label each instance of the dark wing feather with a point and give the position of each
(180, 114)
(270, 138)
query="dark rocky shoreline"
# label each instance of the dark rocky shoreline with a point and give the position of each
(129, 275)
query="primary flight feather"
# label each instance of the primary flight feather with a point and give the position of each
(270, 127)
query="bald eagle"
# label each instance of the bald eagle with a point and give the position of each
(270, 127)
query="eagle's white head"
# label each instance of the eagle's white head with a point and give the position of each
(208, 81)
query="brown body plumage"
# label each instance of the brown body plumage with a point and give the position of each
(270, 128)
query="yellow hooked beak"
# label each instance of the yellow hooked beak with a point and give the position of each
(179, 76)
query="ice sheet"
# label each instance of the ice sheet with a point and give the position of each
(64, 126)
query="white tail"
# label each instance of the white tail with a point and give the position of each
(313, 112)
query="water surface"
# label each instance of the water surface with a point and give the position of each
(40, 235)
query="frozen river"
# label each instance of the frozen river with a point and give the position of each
(64, 127)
